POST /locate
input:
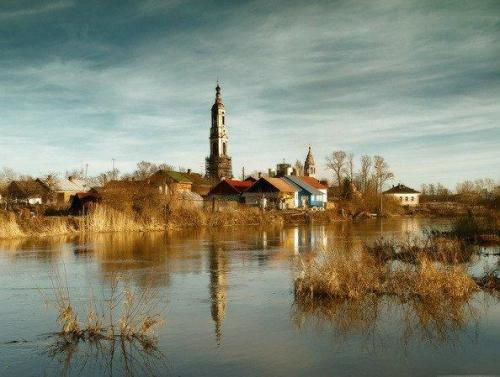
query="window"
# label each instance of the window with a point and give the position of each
(412, 198)
(406, 198)
(223, 119)
(401, 198)
(224, 148)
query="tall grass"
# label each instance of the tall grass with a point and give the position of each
(125, 312)
(337, 274)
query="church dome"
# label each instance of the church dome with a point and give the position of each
(309, 160)
(218, 98)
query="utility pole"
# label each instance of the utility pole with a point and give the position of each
(243, 173)
(114, 173)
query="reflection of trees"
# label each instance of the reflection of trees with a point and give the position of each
(218, 264)
(431, 321)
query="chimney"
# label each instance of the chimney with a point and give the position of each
(270, 173)
(189, 171)
(260, 175)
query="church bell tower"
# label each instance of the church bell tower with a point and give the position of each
(218, 164)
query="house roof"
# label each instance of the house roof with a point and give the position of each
(303, 185)
(189, 196)
(174, 175)
(230, 187)
(28, 188)
(64, 184)
(240, 186)
(281, 184)
(401, 189)
(197, 178)
(311, 181)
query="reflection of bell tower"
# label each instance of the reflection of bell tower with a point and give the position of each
(217, 264)
(218, 164)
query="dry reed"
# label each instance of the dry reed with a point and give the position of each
(337, 274)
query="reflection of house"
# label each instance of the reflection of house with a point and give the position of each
(63, 189)
(405, 195)
(30, 191)
(275, 192)
(230, 189)
(308, 196)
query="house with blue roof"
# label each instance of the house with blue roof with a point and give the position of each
(308, 195)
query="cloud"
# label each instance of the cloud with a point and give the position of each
(136, 82)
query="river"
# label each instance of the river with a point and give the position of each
(226, 296)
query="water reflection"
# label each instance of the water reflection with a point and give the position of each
(218, 265)
(431, 321)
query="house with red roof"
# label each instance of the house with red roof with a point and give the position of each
(229, 190)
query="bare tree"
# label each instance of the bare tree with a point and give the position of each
(336, 162)
(382, 173)
(350, 166)
(364, 172)
(144, 170)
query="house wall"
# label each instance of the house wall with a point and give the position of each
(410, 200)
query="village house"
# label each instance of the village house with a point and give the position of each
(200, 184)
(63, 189)
(29, 191)
(170, 182)
(230, 190)
(404, 195)
(308, 196)
(272, 192)
(180, 186)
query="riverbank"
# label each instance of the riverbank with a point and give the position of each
(105, 219)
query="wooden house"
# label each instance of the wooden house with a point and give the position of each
(308, 196)
(272, 192)
(229, 190)
(28, 191)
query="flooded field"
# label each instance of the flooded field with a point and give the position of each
(227, 300)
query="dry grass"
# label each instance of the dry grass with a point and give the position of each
(103, 218)
(354, 275)
(125, 313)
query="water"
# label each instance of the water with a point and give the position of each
(228, 302)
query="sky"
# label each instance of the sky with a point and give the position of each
(418, 82)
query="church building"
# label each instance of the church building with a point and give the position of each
(218, 164)
(309, 165)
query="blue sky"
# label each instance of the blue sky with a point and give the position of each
(415, 81)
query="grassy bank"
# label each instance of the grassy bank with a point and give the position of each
(107, 219)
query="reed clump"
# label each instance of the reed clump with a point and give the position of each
(126, 313)
(341, 275)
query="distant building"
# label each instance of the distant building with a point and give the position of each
(63, 189)
(274, 192)
(169, 182)
(28, 191)
(308, 196)
(309, 165)
(405, 195)
(322, 187)
(283, 169)
(218, 164)
(230, 190)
